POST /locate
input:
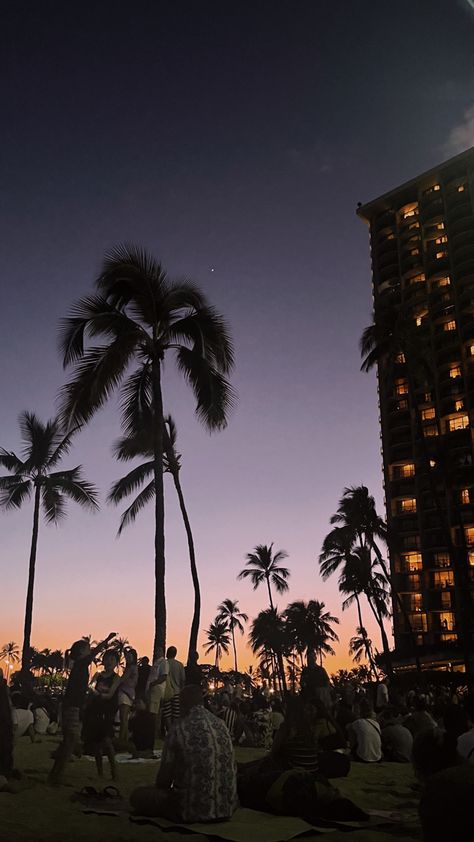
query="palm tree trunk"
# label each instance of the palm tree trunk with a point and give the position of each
(270, 593)
(25, 657)
(235, 648)
(193, 637)
(383, 635)
(364, 635)
(160, 597)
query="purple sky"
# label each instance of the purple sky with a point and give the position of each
(233, 140)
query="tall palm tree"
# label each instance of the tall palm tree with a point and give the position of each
(265, 566)
(141, 444)
(234, 619)
(268, 637)
(44, 445)
(218, 640)
(11, 654)
(310, 625)
(141, 317)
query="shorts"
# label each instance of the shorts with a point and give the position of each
(124, 699)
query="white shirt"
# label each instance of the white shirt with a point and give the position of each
(158, 670)
(22, 719)
(365, 739)
(465, 746)
(382, 695)
(41, 720)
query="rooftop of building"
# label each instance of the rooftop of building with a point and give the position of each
(405, 191)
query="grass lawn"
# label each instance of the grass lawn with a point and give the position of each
(44, 814)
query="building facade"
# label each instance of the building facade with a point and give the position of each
(422, 250)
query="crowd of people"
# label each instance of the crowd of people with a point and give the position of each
(308, 738)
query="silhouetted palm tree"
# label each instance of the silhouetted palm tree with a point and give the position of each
(264, 566)
(268, 637)
(142, 316)
(11, 654)
(44, 445)
(140, 444)
(359, 644)
(311, 626)
(218, 640)
(234, 619)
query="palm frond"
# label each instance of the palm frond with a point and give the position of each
(208, 334)
(131, 482)
(53, 503)
(73, 485)
(214, 395)
(141, 500)
(14, 491)
(136, 398)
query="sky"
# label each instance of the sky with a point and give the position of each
(232, 140)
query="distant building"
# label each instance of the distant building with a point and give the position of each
(422, 249)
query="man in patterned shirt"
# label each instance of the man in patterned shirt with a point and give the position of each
(197, 777)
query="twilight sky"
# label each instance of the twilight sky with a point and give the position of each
(233, 140)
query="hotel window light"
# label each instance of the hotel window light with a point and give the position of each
(401, 387)
(408, 505)
(458, 405)
(442, 239)
(428, 414)
(461, 188)
(455, 371)
(430, 431)
(451, 325)
(441, 254)
(465, 496)
(459, 423)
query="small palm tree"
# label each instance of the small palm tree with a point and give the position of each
(11, 654)
(268, 638)
(218, 640)
(44, 445)
(311, 626)
(142, 317)
(359, 644)
(234, 619)
(264, 566)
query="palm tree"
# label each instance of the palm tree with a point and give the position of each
(268, 638)
(359, 644)
(141, 316)
(141, 444)
(11, 654)
(264, 566)
(44, 445)
(234, 619)
(311, 626)
(218, 640)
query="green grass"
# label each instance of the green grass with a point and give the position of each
(44, 814)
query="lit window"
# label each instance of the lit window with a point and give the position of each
(413, 225)
(412, 562)
(432, 463)
(430, 431)
(442, 560)
(458, 405)
(402, 404)
(414, 601)
(446, 600)
(469, 533)
(444, 579)
(427, 397)
(437, 187)
(464, 496)
(408, 212)
(419, 321)
(432, 189)
(455, 371)
(459, 423)
(471, 350)
(444, 282)
(418, 622)
(414, 252)
(451, 325)
(471, 559)
(407, 470)
(446, 620)
(440, 254)
(401, 386)
(400, 358)
(440, 226)
(461, 188)
(408, 505)
(428, 414)
(442, 239)
(417, 279)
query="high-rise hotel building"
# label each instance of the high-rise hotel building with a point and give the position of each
(422, 249)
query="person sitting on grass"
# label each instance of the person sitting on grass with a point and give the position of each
(365, 735)
(99, 714)
(81, 656)
(196, 781)
(397, 741)
(23, 723)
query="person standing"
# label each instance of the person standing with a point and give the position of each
(156, 685)
(126, 694)
(81, 655)
(99, 714)
(175, 683)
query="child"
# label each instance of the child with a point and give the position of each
(81, 656)
(99, 714)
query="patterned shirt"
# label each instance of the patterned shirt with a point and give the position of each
(199, 757)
